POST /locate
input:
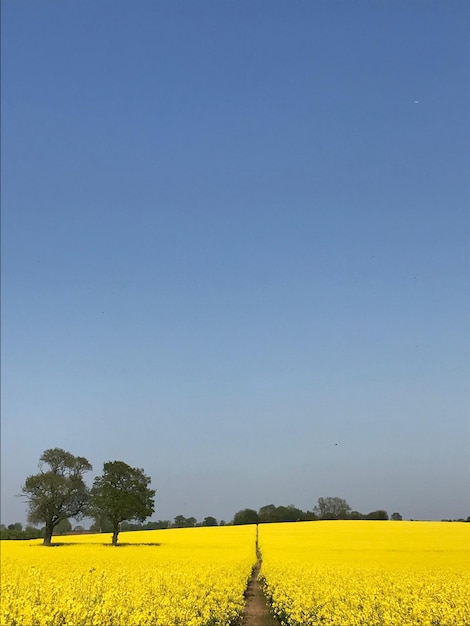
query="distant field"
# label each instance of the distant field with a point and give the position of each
(316, 573)
(368, 573)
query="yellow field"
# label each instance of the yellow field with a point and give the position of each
(316, 573)
(189, 577)
(368, 573)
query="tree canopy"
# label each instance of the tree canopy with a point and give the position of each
(246, 516)
(332, 508)
(58, 491)
(290, 513)
(181, 521)
(121, 493)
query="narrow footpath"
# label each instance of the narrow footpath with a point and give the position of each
(257, 610)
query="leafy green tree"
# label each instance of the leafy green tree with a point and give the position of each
(79, 529)
(100, 524)
(268, 513)
(396, 517)
(64, 526)
(33, 533)
(12, 531)
(124, 526)
(355, 515)
(181, 521)
(121, 493)
(158, 525)
(209, 521)
(332, 508)
(377, 515)
(288, 513)
(246, 516)
(58, 491)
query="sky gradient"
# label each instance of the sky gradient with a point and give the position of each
(235, 250)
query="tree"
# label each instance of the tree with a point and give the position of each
(57, 492)
(332, 508)
(12, 531)
(209, 521)
(158, 525)
(64, 526)
(79, 529)
(268, 513)
(246, 516)
(377, 515)
(16, 531)
(33, 533)
(181, 521)
(288, 513)
(121, 493)
(355, 515)
(100, 523)
(396, 517)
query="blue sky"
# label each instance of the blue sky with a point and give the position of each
(234, 235)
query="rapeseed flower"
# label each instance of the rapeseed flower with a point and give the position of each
(365, 573)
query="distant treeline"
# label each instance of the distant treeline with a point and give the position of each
(326, 509)
(16, 531)
(331, 508)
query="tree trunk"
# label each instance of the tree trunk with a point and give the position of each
(48, 534)
(115, 535)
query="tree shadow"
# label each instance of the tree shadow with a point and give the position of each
(68, 544)
(127, 544)
(60, 544)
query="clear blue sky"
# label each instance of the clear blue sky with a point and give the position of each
(235, 249)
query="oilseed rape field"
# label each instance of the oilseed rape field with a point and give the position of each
(174, 577)
(351, 573)
(366, 573)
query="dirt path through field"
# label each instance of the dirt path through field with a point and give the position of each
(257, 610)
